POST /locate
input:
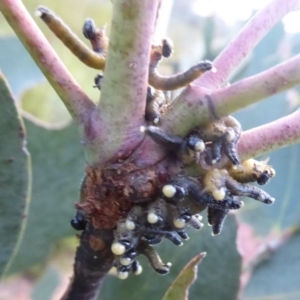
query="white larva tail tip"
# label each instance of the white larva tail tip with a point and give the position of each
(123, 275)
(117, 248)
(152, 218)
(214, 69)
(200, 146)
(139, 270)
(142, 129)
(38, 13)
(156, 121)
(169, 191)
(130, 225)
(169, 265)
(179, 223)
(213, 162)
(125, 261)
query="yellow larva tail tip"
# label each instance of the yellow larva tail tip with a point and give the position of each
(219, 194)
(179, 223)
(117, 248)
(169, 190)
(125, 261)
(200, 146)
(152, 218)
(214, 69)
(142, 129)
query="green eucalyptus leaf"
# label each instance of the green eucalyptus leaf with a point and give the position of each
(58, 166)
(15, 177)
(221, 265)
(179, 289)
(278, 277)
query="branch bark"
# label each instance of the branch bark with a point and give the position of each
(92, 262)
(270, 137)
(122, 104)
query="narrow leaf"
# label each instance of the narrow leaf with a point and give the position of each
(179, 289)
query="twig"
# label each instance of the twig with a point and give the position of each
(269, 137)
(76, 101)
(197, 106)
(246, 40)
(200, 106)
(123, 96)
(92, 262)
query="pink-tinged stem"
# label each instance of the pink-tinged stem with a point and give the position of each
(246, 40)
(197, 106)
(123, 97)
(76, 101)
(269, 137)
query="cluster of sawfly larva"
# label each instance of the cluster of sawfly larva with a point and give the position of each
(180, 201)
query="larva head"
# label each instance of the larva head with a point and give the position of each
(252, 170)
(167, 47)
(266, 172)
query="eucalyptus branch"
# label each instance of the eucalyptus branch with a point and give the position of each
(246, 40)
(76, 101)
(123, 95)
(200, 106)
(92, 262)
(270, 137)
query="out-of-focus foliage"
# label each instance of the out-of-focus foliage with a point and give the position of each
(15, 176)
(58, 162)
(277, 277)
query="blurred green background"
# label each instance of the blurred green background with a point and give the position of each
(43, 265)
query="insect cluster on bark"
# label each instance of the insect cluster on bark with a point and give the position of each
(157, 206)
